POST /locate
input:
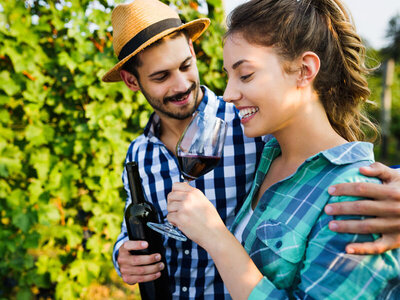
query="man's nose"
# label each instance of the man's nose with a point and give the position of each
(181, 83)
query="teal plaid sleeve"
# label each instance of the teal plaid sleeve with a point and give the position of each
(324, 270)
(329, 273)
(289, 240)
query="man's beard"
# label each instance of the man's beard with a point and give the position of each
(159, 105)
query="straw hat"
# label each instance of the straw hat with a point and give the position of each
(140, 23)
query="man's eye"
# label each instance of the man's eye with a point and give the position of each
(161, 78)
(245, 77)
(185, 67)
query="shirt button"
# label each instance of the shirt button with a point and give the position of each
(184, 289)
(187, 252)
(278, 244)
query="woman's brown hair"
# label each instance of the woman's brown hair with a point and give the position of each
(323, 26)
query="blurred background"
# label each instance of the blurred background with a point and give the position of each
(64, 134)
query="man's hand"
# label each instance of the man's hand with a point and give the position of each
(385, 207)
(138, 268)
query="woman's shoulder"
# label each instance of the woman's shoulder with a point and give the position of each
(351, 173)
(345, 160)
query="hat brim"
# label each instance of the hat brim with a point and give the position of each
(194, 28)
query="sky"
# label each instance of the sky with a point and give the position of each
(371, 17)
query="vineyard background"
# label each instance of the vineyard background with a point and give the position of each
(64, 135)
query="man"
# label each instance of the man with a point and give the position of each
(157, 57)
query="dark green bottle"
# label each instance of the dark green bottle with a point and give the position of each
(137, 214)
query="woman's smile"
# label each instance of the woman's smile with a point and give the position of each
(247, 113)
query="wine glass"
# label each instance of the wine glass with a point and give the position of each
(199, 150)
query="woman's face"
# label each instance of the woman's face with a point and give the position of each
(266, 96)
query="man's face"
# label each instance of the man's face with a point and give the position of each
(169, 79)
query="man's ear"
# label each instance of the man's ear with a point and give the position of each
(130, 80)
(192, 49)
(310, 65)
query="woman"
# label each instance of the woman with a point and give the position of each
(296, 71)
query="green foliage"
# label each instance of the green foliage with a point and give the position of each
(63, 139)
(393, 34)
(375, 81)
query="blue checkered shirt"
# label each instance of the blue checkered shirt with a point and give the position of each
(192, 272)
(288, 237)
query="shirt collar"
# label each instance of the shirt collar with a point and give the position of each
(349, 153)
(152, 129)
(208, 104)
(340, 155)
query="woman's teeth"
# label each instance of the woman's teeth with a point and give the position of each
(247, 112)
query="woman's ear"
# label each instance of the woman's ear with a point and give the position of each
(130, 80)
(310, 65)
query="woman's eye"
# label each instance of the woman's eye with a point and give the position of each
(245, 77)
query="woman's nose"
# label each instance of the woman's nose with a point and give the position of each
(231, 93)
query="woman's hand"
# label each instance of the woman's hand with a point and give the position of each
(384, 206)
(194, 214)
(198, 219)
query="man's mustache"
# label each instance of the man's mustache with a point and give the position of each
(180, 95)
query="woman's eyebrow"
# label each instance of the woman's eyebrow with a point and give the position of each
(237, 64)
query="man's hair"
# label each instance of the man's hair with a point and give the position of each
(325, 28)
(134, 62)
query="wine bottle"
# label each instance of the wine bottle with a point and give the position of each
(137, 214)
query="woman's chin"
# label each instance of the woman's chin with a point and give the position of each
(252, 133)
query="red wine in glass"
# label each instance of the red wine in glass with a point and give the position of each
(194, 166)
(199, 150)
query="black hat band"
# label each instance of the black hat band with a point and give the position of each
(146, 34)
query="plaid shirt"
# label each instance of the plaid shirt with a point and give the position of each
(192, 272)
(288, 237)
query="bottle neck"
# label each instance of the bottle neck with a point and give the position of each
(135, 185)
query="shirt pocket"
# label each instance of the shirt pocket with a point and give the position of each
(277, 252)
